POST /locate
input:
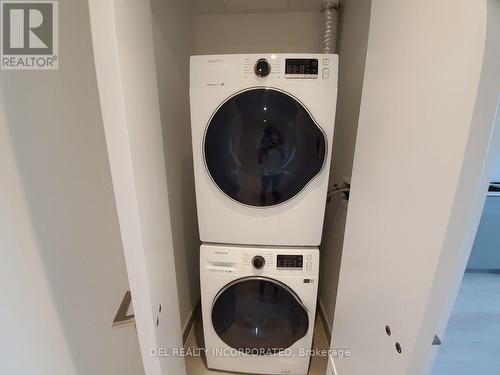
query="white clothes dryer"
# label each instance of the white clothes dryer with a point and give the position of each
(262, 130)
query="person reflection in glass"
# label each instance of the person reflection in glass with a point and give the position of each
(270, 158)
(262, 292)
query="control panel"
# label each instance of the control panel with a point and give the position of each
(301, 68)
(271, 69)
(289, 261)
(275, 66)
(292, 262)
(280, 262)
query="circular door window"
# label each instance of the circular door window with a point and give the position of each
(262, 147)
(259, 314)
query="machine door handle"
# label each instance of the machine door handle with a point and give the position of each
(122, 319)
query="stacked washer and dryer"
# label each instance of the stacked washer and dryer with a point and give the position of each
(262, 128)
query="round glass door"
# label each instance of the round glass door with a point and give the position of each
(262, 147)
(258, 313)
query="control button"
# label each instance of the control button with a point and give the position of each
(258, 262)
(309, 257)
(325, 73)
(308, 266)
(262, 68)
(326, 61)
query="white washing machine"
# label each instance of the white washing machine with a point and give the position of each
(258, 306)
(262, 128)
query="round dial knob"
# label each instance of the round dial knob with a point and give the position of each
(262, 68)
(258, 262)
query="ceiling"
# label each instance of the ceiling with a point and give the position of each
(255, 6)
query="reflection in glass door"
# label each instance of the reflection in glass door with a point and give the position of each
(259, 313)
(262, 147)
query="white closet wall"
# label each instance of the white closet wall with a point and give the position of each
(410, 205)
(62, 273)
(258, 32)
(354, 22)
(122, 36)
(174, 43)
(468, 203)
(352, 44)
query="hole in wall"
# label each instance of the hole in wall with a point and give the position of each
(398, 347)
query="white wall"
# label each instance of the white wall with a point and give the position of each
(483, 145)
(122, 36)
(331, 255)
(352, 43)
(420, 86)
(62, 274)
(254, 33)
(174, 43)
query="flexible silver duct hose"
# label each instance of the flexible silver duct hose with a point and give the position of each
(329, 11)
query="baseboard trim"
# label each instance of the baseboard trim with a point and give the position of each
(190, 322)
(324, 322)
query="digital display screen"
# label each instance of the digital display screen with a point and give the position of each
(301, 66)
(290, 261)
